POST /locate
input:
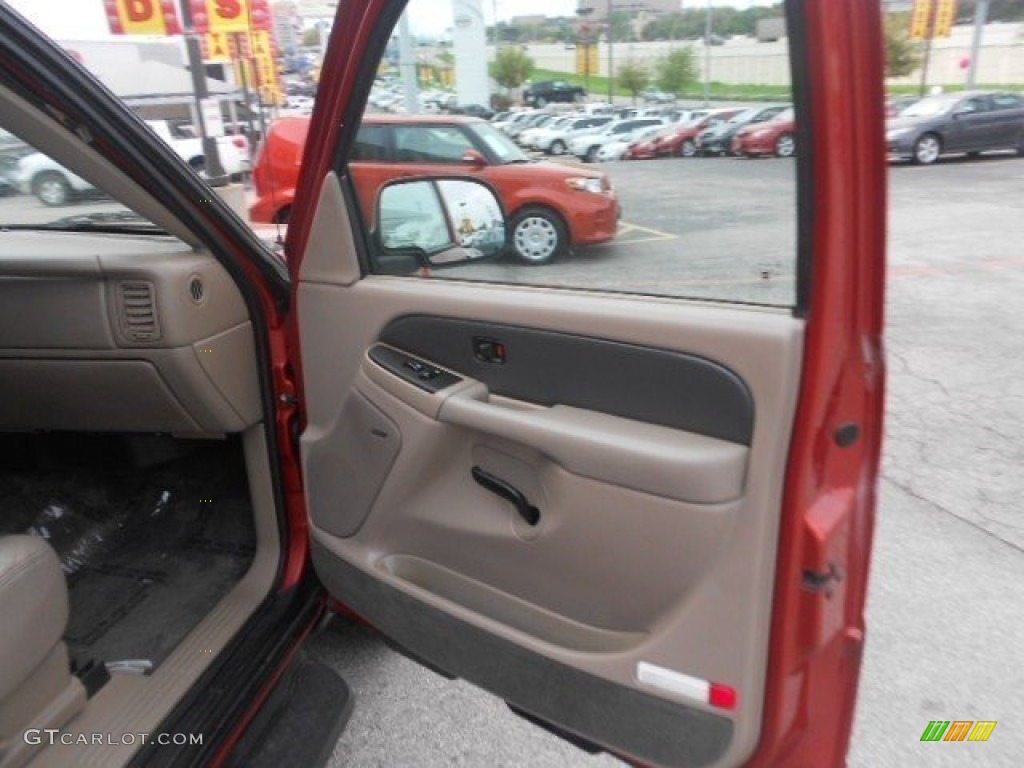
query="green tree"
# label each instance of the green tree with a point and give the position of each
(621, 27)
(512, 67)
(634, 76)
(902, 55)
(676, 70)
(311, 37)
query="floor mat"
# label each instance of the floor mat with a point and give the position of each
(149, 542)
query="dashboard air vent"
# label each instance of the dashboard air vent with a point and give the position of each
(137, 311)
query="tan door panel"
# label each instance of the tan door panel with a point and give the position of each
(652, 562)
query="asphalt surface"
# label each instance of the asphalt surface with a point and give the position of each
(946, 604)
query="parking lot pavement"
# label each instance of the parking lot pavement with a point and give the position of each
(946, 606)
(701, 227)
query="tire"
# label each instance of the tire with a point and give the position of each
(539, 235)
(52, 189)
(688, 149)
(591, 156)
(540, 102)
(927, 149)
(557, 147)
(197, 164)
(785, 145)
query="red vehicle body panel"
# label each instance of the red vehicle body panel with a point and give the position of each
(828, 508)
(591, 218)
(760, 139)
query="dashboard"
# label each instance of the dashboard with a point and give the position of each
(135, 333)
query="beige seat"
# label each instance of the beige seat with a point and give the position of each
(37, 689)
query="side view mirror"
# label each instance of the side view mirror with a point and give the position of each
(474, 158)
(961, 111)
(426, 223)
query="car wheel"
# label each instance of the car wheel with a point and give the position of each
(557, 147)
(927, 149)
(52, 188)
(785, 145)
(688, 149)
(539, 235)
(591, 156)
(198, 164)
(540, 102)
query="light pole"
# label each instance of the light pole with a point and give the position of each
(980, 17)
(215, 175)
(611, 55)
(707, 56)
(407, 65)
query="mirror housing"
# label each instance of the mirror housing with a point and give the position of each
(474, 159)
(961, 111)
(432, 222)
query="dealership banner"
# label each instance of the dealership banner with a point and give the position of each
(229, 15)
(142, 17)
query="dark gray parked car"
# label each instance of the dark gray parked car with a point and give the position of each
(969, 122)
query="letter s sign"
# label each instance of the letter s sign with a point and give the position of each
(228, 15)
(229, 10)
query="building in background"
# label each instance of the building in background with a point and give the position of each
(287, 26)
(597, 10)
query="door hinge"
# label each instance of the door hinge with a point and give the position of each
(822, 582)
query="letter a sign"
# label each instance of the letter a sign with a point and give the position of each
(142, 17)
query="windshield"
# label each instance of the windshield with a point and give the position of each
(930, 106)
(499, 144)
(37, 192)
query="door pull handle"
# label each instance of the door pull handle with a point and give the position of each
(510, 493)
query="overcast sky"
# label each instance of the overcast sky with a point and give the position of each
(77, 19)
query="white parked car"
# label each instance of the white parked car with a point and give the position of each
(53, 184)
(37, 174)
(536, 120)
(555, 140)
(528, 137)
(517, 124)
(587, 147)
(614, 150)
(232, 150)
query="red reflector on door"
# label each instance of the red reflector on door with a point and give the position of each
(722, 696)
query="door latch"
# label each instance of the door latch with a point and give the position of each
(489, 350)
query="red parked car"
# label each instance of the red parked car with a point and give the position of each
(776, 137)
(552, 207)
(678, 140)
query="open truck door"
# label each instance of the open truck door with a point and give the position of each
(644, 522)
